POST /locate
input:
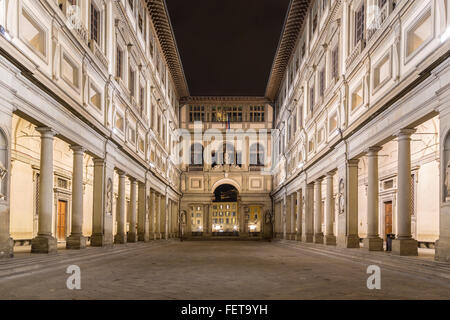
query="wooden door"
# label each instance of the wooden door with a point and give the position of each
(387, 218)
(61, 225)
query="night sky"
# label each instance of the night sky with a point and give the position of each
(227, 47)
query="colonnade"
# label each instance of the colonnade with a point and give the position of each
(150, 214)
(298, 216)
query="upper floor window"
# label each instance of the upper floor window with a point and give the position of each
(335, 63)
(33, 34)
(311, 99)
(256, 155)
(65, 4)
(95, 23)
(196, 154)
(119, 63)
(359, 24)
(131, 82)
(322, 82)
(196, 113)
(257, 114)
(130, 2)
(419, 34)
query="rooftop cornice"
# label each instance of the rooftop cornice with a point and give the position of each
(161, 21)
(295, 18)
(224, 99)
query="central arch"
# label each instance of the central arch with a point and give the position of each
(224, 215)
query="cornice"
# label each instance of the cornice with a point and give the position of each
(224, 100)
(292, 26)
(161, 22)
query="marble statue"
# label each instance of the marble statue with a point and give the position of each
(3, 173)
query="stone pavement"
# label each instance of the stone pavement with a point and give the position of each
(222, 270)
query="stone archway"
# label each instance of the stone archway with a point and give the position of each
(224, 213)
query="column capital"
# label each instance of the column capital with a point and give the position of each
(331, 173)
(352, 162)
(77, 149)
(132, 180)
(405, 133)
(372, 151)
(121, 173)
(46, 132)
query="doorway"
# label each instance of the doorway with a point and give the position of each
(387, 218)
(61, 223)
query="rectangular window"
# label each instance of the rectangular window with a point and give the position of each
(382, 71)
(119, 63)
(335, 63)
(131, 82)
(119, 122)
(142, 98)
(311, 99)
(69, 71)
(359, 24)
(333, 123)
(322, 82)
(357, 97)
(95, 23)
(33, 34)
(95, 97)
(419, 34)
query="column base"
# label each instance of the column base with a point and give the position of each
(7, 248)
(373, 244)
(318, 238)
(442, 249)
(308, 238)
(76, 242)
(144, 237)
(120, 239)
(101, 240)
(132, 237)
(350, 242)
(330, 240)
(44, 244)
(405, 247)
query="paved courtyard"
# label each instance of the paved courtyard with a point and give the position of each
(222, 270)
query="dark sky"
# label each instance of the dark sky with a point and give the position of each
(227, 47)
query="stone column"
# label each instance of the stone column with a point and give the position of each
(293, 217)
(404, 244)
(206, 221)
(132, 219)
(158, 216)
(284, 217)
(102, 221)
(308, 235)
(152, 210)
(121, 237)
(243, 232)
(298, 234)
(318, 234)
(6, 242)
(167, 218)
(372, 242)
(44, 242)
(76, 239)
(143, 205)
(330, 238)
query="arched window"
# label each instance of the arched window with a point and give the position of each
(256, 155)
(197, 154)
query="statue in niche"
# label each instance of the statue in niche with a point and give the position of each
(109, 195)
(3, 173)
(268, 225)
(447, 181)
(341, 196)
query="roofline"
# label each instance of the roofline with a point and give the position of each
(224, 100)
(293, 23)
(166, 36)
